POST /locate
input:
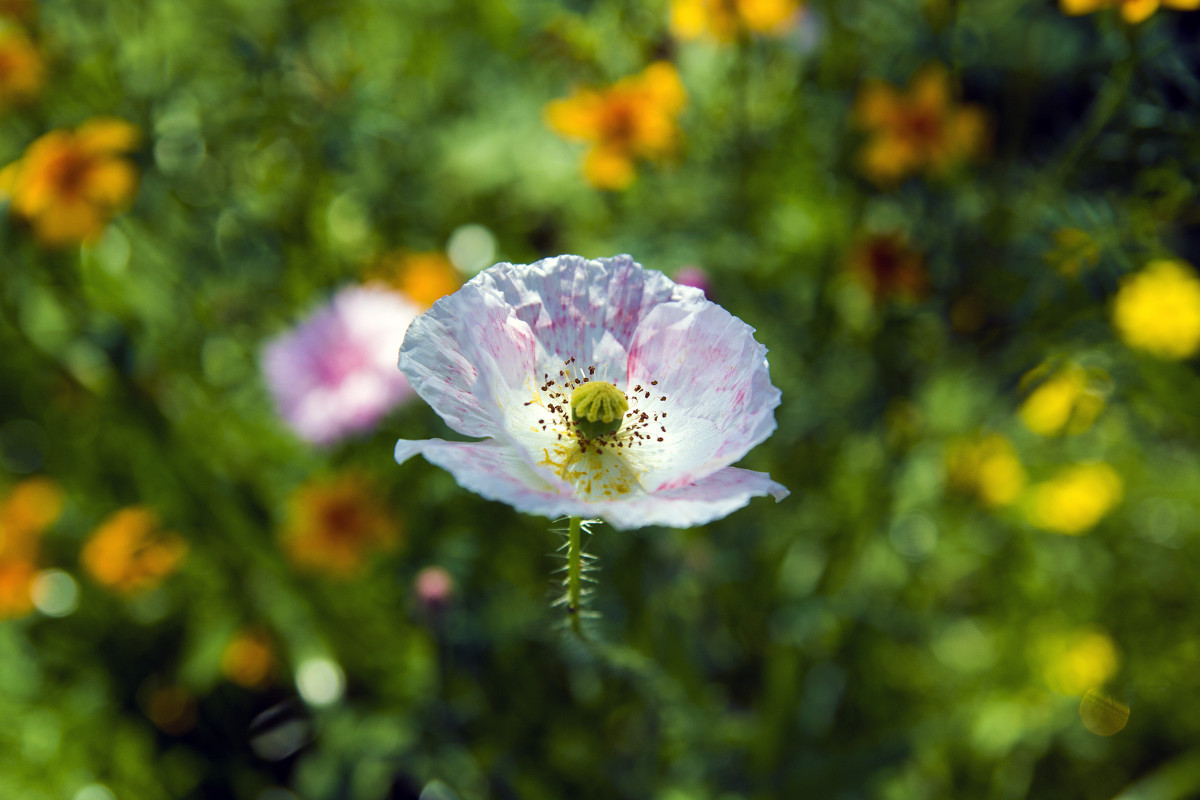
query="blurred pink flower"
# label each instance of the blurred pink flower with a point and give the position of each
(434, 586)
(693, 276)
(601, 390)
(335, 374)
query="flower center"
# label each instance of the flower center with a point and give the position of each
(595, 425)
(598, 408)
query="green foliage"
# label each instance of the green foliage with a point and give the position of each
(887, 631)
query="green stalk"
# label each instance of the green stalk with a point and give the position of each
(574, 573)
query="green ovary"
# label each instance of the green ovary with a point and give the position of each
(598, 409)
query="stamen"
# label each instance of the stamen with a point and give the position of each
(593, 417)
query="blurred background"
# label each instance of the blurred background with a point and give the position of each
(963, 228)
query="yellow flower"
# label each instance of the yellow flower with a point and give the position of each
(1068, 400)
(332, 526)
(1158, 310)
(70, 184)
(921, 130)
(31, 507)
(1073, 663)
(21, 68)
(249, 659)
(634, 118)
(129, 552)
(1132, 11)
(987, 467)
(1076, 499)
(424, 278)
(723, 20)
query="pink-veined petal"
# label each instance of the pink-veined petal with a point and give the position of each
(466, 353)
(585, 309)
(711, 497)
(497, 472)
(720, 400)
(479, 355)
(488, 359)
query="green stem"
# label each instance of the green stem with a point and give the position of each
(1109, 99)
(574, 573)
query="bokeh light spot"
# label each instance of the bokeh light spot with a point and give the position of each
(914, 536)
(280, 731)
(436, 790)
(471, 248)
(55, 593)
(94, 791)
(320, 681)
(1101, 714)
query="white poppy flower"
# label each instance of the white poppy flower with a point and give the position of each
(601, 389)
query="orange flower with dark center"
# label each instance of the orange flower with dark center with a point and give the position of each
(31, 507)
(888, 267)
(68, 185)
(130, 552)
(635, 118)
(332, 527)
(921, 130)
(21, 68)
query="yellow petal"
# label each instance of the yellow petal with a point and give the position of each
(68, 222)
(654, 134)
(106, 134)
(661, 83)
(577, 116)
(1135, 11)
(9, 176)
(876, 105)
(768, 16)
(1183, 5)
(968, 131)
(930, 88)
(887, 159)
(111, 182)
(608, 168)
(1077, 7)
(688, 18)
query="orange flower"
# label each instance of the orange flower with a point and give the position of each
(249, 659)
(723, 20)
(333, 525)
(21, 68)
(31, 507)
(130, 552)
(921, 130)
(888, 267)
(1132, 11)
(634, 118)
(70, 184)
(424, 278)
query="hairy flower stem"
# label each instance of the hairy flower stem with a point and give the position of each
(574, 574)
